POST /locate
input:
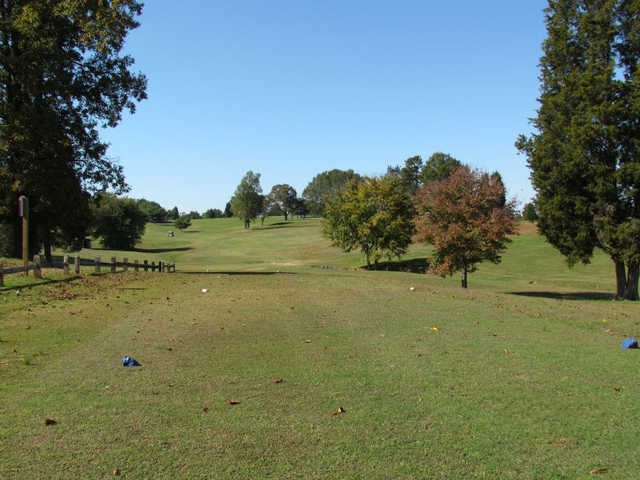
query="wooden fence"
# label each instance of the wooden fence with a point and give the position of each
(97, 264)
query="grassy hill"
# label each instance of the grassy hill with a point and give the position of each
(520, 376)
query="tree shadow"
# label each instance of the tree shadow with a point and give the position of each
(40, 284)
(273, 226)
(190, 231)
(162, 250)
(414, 265)
(235, 273)
(567, 296)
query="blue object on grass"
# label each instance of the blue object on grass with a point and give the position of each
(629, 343)
(128, 361)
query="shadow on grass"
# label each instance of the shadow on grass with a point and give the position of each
(40, 284)
(190, 231)
(162, 250)
(567, 296)
(415, 265)
(273, 226)
(234, 273)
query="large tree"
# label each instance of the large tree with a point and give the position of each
(466, 220)
(62, 77)
(324, 186)
(584, 152)
(438, 167)
(120, 222)
(283, 198)
(247, 201)
(370, 215)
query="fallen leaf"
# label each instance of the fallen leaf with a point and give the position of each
(116, 472)
(435, 329)
(49, 421)
(339, 411)
(307, 341)
(278, 380)
(618, 389)
(597, 471)
(205, 409)
(233, 402)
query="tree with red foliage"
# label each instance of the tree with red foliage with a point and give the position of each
(465, 217)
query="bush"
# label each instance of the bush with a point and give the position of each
(119, 221)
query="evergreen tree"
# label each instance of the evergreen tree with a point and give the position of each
(584, 153)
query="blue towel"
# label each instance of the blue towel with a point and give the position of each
(629, 343)
(128, 361)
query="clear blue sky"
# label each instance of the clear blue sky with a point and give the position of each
(292, 88)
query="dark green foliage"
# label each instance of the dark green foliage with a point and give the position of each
(194, 215)
(584, 153)
(228, 213)
(154, 211)
(282, 198)
(530, 211)
(119, 221)
(247, 202)
(183, 222)
(324, 187)
(62, 77)
(173, 214)
(409, 174)
(213, 213)
(370, 215)
(438, 167)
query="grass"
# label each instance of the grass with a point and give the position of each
(520, 376)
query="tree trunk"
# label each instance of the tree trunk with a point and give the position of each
(631, 292)
(464, 274)
(621, 279)
(286, 215)
(47, 249)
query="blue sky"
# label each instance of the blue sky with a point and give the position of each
(292, 88)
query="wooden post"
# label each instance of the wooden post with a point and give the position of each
(136, 265)
(37, 272)
(113, 264)
(1, 276)
(146, 265)
(160, 265)
(65, 264)
(153, 266)
(23, 211)
(97, 264)
(126, 264)
(76, 264)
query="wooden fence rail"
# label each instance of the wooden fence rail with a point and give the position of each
(37, 266)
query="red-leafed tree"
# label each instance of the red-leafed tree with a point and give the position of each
(466, 219)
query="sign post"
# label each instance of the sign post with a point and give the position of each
(23, 212)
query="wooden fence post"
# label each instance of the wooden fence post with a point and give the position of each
(160, 265)
(136, 265)
(153, 266)
(65, 264)
(37, 273)
(146, 265)
(113, 264)
(76, 264)
(1, 276)
(126, 264)
(97, 264)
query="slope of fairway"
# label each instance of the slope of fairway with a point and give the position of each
(520, 376)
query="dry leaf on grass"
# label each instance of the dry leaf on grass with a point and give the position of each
(339, 411)
(278, 380)
(49, 421)
(597, 471)
(205, 409)
(618, 389)
(307, 341)
(233, 402)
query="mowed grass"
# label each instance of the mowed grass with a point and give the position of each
(520, 376)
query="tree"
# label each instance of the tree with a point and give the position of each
(301, 208)
(62, 78)
(194, 215)
(584, 152)
(409, 174)
(464, 218)
(283, 196)
(183, 222)
(370, 215)
(438, 167)
(228, 213)
(324, 186)
(529, 212)
(213, 213)
(247, 200)
(173, 214)
(119, 221)
(154, 211)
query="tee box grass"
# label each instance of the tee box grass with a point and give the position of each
(298, 364)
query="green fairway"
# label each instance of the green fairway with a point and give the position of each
(520, 376)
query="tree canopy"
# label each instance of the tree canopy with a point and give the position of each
(370, 215)
(283, 197)
(438, 167)
(119, 221)
(154, 210)
(247, 201)
(62, 77)
(324, 186)
(584, 152)
(465, 219)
